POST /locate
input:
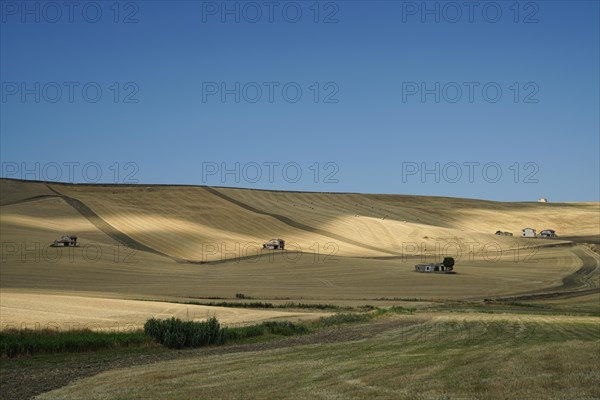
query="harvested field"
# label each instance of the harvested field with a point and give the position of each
(62, 312)
(144, 250)
(104, 265)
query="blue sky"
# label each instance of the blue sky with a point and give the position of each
(162, 117)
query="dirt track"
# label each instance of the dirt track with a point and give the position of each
(25, 382)
(579, 283)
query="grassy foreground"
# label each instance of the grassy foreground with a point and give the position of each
(14, 343)
(172, 333)
(447, 356)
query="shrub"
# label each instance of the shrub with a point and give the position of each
(284, 328)
(449, 263)
(15, 343)
(400, 310)
(260, 304)
(176, 334)
(254, 304)
(343, 318)
(152, 328)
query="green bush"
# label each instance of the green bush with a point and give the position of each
(343, 318)
(153, 328)
(400, 310)
(172, 333)
(256, 304)
(176, 334)
(317, 306)
(449, 263)
(284, 328)
(14, 343)
(259, 304)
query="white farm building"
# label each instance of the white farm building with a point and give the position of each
(528, 232)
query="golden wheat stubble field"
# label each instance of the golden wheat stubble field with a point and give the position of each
(68, 312)
(348, 247)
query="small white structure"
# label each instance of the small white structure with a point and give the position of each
(548, 233)
(528, 232)
(542, 200)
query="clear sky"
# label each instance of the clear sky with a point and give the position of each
(493, 100)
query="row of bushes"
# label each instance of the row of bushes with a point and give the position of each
(15, 343)
(172, 333)
(260, 304)
(176, 334)
(284, 328)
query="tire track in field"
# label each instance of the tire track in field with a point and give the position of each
(107, 228)
(46, 374)
(30, 199)
(295, 224)
(122, 237)
(115, 233)
(579, 283)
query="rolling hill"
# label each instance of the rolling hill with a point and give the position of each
(159, 242)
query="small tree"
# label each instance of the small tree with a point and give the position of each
(448, 263)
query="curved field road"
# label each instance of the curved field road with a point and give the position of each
(579, 283)
(590, 268)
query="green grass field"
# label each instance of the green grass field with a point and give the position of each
(508, 357)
